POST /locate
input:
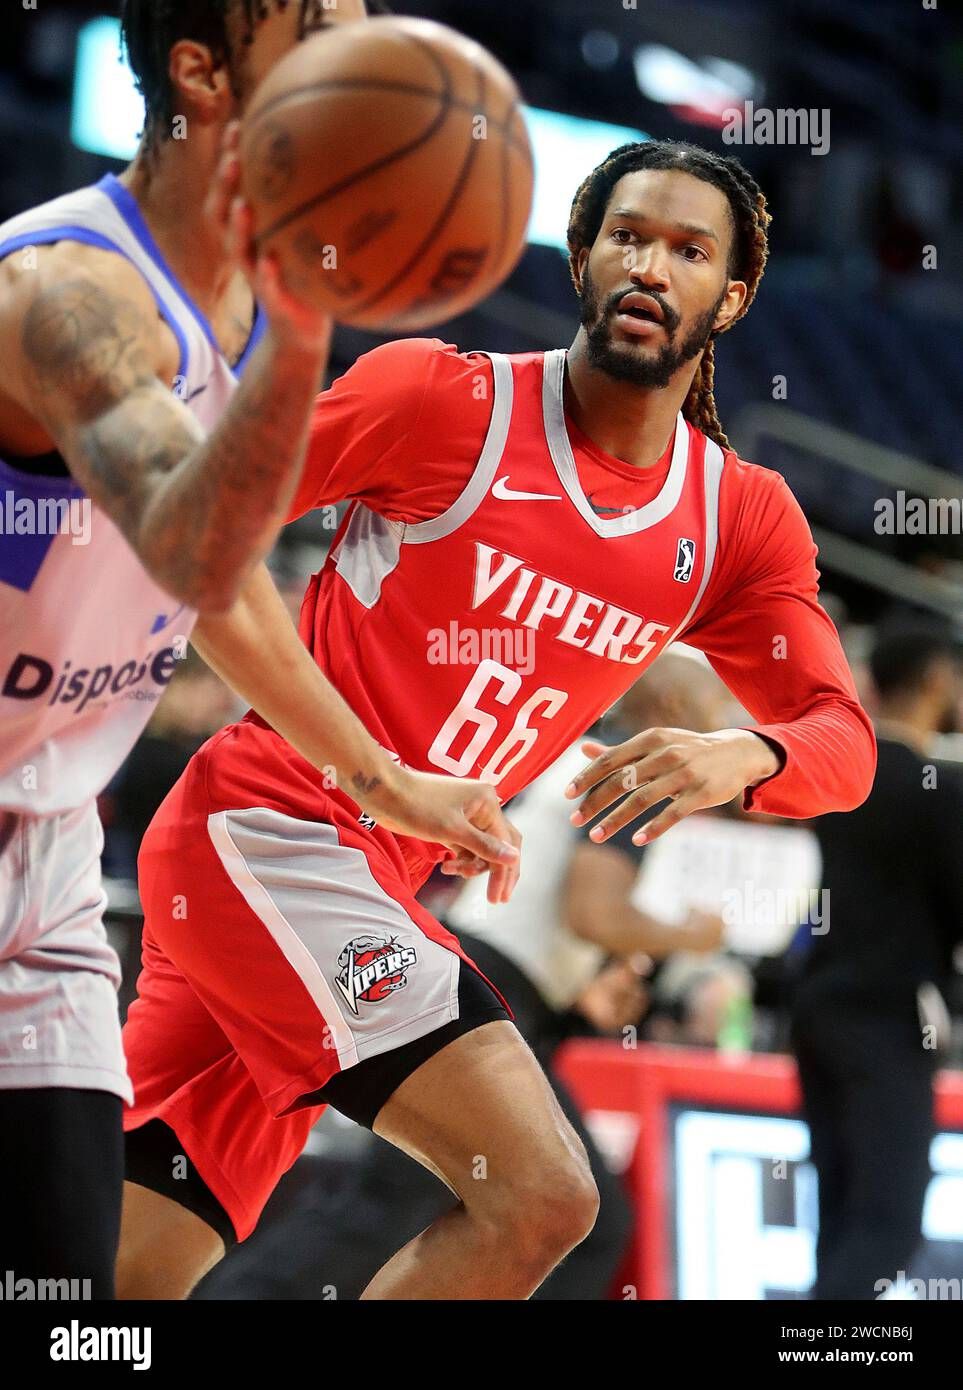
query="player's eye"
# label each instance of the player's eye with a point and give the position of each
(700, 254)
(619, 232)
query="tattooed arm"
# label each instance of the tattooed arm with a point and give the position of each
(88, 354)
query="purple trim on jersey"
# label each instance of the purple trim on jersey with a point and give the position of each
(257, 333)
(126, 204)
(21, 556)
(46, 235)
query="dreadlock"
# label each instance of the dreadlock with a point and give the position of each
(150, 28)
(747, 259)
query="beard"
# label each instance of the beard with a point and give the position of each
(636, 367)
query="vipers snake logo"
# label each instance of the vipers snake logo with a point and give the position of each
(370, 968)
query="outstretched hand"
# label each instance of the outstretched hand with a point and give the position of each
(695, 771)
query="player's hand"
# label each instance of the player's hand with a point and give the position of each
(695, 770)
(294, 324)
(463, 815)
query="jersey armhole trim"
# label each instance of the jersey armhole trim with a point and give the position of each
(713, 467)
(476, 488)
(46, 236)
(258, 329)
(128, 209)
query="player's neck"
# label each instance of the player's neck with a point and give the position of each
(171, 187)
(632, 423)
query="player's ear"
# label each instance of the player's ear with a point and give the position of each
(735, 298)
(203, 84)
(578, 268)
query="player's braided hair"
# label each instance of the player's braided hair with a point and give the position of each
(750, 247)
(150, 28)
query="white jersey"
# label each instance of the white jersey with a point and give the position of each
(88, 641)
(530, 927)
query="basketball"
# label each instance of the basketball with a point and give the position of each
(389, 168)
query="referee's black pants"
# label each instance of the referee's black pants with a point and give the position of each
(867, 1085)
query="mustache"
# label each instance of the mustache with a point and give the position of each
(671, 319)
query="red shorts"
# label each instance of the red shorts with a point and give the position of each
(283, 945)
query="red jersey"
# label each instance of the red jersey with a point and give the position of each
(498, 581)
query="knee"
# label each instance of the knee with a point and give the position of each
(567, 1208)
(551, 1211)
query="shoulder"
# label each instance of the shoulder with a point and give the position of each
(418, 384)
(752, 483)
(68, 269)
(413, 360)
(72, 293)
(756, 502)
(72, 311)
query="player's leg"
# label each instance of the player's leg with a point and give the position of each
(62, 1073)
(178, 1224)
(305, 948)
(591, 1272)
(187, 1078)
(201, 1177)
(506, 1150)
(62, 1164)
(482, 1116)
(165, 1248)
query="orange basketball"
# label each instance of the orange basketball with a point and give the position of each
(389, 167)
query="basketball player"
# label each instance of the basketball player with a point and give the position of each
(585, 508)
(108, 297)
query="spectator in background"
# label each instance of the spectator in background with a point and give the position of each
(868, 1020)
(702, 1002)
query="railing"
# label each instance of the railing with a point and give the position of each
(887, 467)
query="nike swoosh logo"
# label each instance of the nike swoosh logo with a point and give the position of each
(504, 493)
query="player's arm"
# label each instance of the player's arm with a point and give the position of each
(813, 749)
(597, 907)
(85, 346)
(375, 432)
(257, 651)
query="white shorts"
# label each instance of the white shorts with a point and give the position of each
(59, 975)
